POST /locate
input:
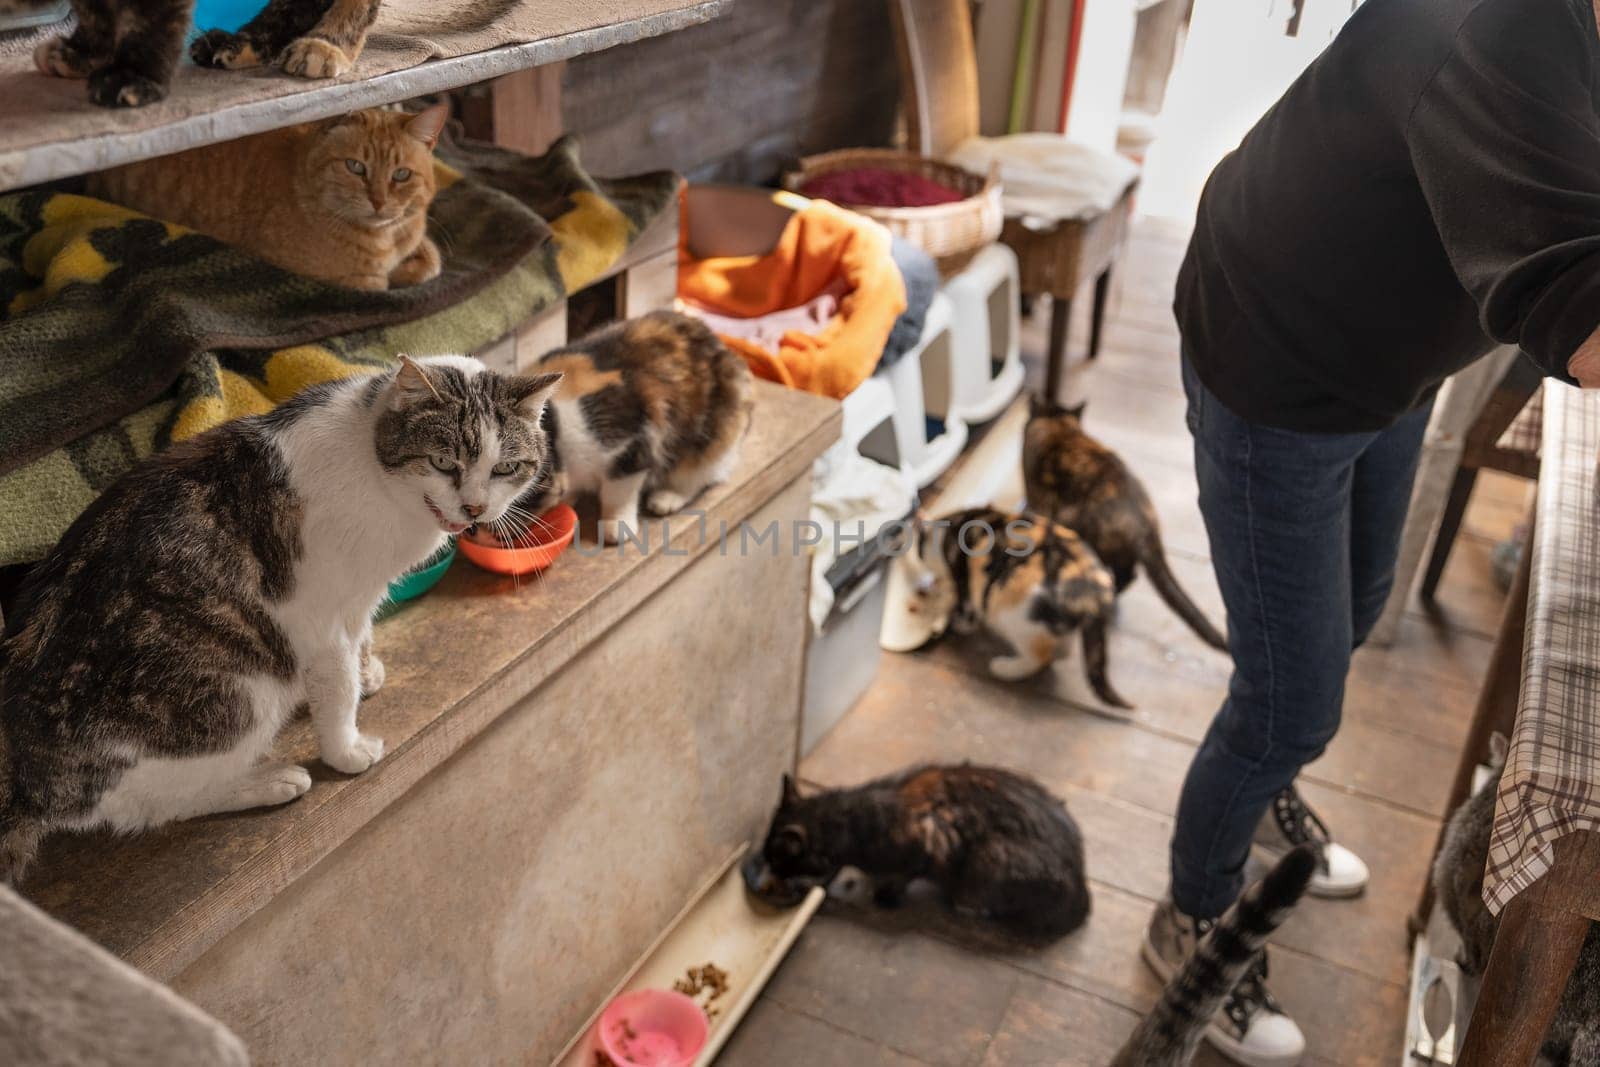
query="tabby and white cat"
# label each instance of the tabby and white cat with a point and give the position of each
(1170, 1034)
(344, 200)
(219, 585)
(1574, 1034)
(1081, 483)
(1030, 581)
(651, 408)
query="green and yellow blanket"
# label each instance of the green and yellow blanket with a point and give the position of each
(120, 333)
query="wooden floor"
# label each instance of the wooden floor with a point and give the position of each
(854, 994)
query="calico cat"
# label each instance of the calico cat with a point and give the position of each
(1169, 1035)
(222, 583)
(1574, 1034)
(651, 408)
(344, 200)
(1028, 580)
(127, 49)
(1000, 846)
(308, 38)
(1083, 485)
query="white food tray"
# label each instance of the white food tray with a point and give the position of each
(721, 925)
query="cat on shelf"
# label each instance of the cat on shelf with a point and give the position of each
(1085, 486)
(344, 200)
(219, 585)
(127, 49)
(1027, 580)
(652, 409)
(1003, 850)
(307, 38)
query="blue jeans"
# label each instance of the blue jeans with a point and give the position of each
(1304, 529)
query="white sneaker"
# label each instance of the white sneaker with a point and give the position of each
(1290, 822)
(1251, 1028)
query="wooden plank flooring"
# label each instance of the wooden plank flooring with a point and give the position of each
(858, 992)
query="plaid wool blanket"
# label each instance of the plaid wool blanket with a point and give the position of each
(120, 333)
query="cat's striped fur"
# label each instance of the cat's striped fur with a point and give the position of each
(1030, 581)
(1170, 1034)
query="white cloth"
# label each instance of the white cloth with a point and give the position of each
(852, 498)
(1047, 177)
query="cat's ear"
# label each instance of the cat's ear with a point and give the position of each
(426, 126)
(790, 841)
(412, 385)
(528, 394)
(1077, 410)
(1498, 748)
(1038, 406)
(791, 793)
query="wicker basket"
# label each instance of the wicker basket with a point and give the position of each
(951, 233)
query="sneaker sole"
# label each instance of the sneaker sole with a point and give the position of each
(1320, 890)
(1216, 1037)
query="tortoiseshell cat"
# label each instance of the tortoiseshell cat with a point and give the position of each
(1000, 846)
(1084, 485)
(344, 200)
(1170, 1034)
(1030, 581)
(1574, 1034)
(307, 38)
(221, 584)
(651, 408)
(127, 49)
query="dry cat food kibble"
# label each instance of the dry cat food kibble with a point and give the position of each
(707, 976)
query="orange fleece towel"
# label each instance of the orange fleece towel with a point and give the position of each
(821, 244)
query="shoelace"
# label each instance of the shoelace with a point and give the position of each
(1250, 996)
(1298, 822)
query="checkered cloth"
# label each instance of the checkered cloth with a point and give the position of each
(1551, 784)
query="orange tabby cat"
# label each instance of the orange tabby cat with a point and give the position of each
(345, 200)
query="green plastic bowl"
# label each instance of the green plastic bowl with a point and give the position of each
(420, 579)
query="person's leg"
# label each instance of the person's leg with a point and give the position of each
(1380, 496)
(1277, 508)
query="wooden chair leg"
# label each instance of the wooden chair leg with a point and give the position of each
(1455, 506)
(1541, 933)
(1496, 710)
(1056, 359)
(1102, 288)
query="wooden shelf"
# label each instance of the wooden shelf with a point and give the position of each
(457, 660)
(49, 130)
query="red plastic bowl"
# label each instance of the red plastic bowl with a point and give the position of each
(653, 1028)
(533, 551)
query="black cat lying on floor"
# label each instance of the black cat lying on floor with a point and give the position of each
(1003, 850)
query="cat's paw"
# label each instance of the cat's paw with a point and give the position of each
(423, 265)
(115, 87)
(273, 784)
(616, 531)
(1014, 668)
(311, 57)
(224, 50)
(355, 757)
(372, 674)
(57, 57)
(664, 502)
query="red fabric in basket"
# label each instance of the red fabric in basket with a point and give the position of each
(878, 187)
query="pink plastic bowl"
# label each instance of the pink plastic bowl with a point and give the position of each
(533, 551)
(653, 1028)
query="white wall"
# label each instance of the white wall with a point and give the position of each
(1103, 55)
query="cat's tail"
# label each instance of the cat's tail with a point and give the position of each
(1154, 559)
(1168, 1036)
